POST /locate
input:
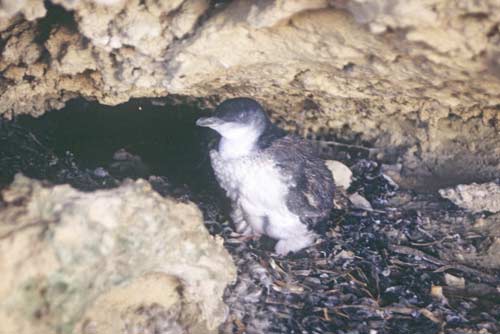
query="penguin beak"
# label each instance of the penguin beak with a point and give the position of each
(209, 122)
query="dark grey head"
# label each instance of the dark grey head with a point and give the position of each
(237, 118)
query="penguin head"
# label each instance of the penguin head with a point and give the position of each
(239, 118)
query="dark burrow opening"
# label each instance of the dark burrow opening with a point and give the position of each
(371, 271)
(97, 144)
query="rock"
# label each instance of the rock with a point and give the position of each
(342, 175)
(488, 225)
(263, 15)
(149, 304)
(113, 261)
(490, 259)
(454, 281)
(418, 81)
(437, 292)
(126, 164)
(345, 255)
(74, 60)
(475, 197)
(29, 9)
(359, 202)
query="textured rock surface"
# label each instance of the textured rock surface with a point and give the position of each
(475, 197)
(489, 226)
(101, 263)
(418, 80)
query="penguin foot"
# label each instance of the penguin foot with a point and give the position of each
(240, 224)
(243, 228)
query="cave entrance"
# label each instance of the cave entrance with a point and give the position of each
(92, 146)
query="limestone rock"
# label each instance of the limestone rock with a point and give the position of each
(489, 259)
(359, 202)
(112, 261)
(475, 197)
(342, 175)
(29, 9)
(149, 304)
(488, 225)
(454, 281)
(262, 14)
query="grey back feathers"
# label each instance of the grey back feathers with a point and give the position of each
(311, 194)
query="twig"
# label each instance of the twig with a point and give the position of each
(415, 252)
(444, 264)
(431, 243)
(394, 309)
(474, 272)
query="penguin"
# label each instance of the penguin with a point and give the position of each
(277, 185)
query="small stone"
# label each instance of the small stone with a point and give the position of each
(437, 292)
(454, 281)
(359, 202)
(344, 255)
(342, 175)
(488, 225)
(100, 172)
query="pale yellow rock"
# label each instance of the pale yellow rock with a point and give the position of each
(342, 175)
(30, 9)
(76, 262)
(267, 14)
(454, 281)
(70, 53)
(150, 302)
(359, 202)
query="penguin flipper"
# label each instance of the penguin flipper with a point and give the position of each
(311, 188)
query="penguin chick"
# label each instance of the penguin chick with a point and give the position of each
(277, 185)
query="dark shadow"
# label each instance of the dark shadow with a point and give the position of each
(165, 138)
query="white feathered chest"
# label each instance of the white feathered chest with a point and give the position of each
(253, 181)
